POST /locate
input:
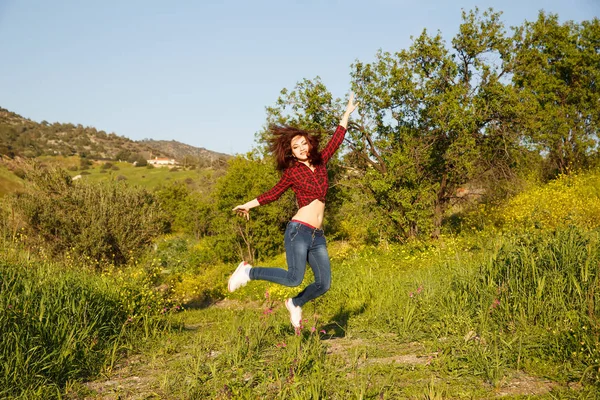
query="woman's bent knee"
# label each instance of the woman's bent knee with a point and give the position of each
(294, 280)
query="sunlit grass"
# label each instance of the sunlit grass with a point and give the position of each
(59, 325)
(149, 178)
(466, 316)
(9, 182)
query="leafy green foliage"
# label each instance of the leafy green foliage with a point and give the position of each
(485, 111)
(235, 238)
(556, 72)
(107, 221)
(189, 211)
(432, 120)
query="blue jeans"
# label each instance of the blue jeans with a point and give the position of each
(302, 244)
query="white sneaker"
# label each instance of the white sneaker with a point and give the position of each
(240, 277)
(295, 313)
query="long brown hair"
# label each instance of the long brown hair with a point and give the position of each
(280, 145)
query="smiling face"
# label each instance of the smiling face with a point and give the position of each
(300, 148)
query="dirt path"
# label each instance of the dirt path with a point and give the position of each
(143, 376)
(139, 378)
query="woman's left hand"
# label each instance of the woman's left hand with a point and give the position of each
(351, 106)
(349, 110)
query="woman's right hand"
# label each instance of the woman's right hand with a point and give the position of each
(242, 211)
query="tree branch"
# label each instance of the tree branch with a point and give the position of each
(380, 164)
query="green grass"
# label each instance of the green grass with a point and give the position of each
(149, 178)
(9, 182)
(459, 318)
(489, 314)
(59, 326)
(414, 321)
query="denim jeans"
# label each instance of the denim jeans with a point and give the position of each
(302, 244)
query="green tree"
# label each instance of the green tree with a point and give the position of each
(434, 119)
(122, 155)
(189, 212)
(235, 237)
(557, 73)
(431, 119)
(312, 107)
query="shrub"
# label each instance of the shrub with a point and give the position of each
(20, 173)
(106, 221)
(58, 325)
(84, 163)
(568, 200)
(261, 236)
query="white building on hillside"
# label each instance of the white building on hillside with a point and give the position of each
(162, 162)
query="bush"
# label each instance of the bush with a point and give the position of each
(568, 200)
(84, 164)
(19, 173)
(188, 212)
(58, 326)
(100, 222)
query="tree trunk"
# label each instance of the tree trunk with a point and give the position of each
(439, 208)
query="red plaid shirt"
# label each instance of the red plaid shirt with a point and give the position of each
(308, 185)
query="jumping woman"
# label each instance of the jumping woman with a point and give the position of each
(304, 170)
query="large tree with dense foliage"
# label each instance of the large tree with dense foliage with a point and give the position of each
(557, 71)
(431, 120)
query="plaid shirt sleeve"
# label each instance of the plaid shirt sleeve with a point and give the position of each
(334, 143)
(276, 191)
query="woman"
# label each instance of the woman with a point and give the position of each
(304, 170)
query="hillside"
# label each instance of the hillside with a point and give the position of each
(23, 137)
(184, 152)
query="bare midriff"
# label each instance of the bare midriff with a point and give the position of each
(312, 213)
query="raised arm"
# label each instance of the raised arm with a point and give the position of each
(338, 136)
(350, 107)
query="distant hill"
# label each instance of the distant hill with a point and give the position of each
(23, 137)
(184, 152)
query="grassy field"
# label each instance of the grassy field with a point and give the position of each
(507, 308)
(9, 182)
(406, 322)
(149, 178)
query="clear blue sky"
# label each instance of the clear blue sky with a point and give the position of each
(202, 72)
